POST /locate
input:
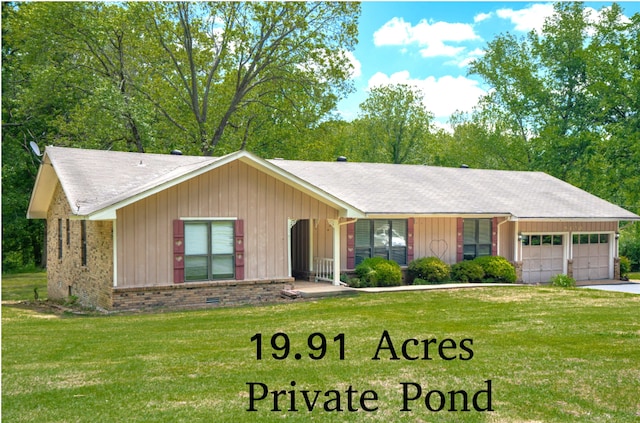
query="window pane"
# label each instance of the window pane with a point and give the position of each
(535, 239)
(363, 233)
(195, 238)
(546, 239)
(469, 252)
(399, 255)
(525, 240)
(361, 254)
(195, 268)
(584, 239)
(484, 231)
(576, 239)
(222, 266)
(222, 237)
(484, 250)
(593, 238)
(557, 240)
(399, 233)
(604, 238)
(469, 231)
(380, 233)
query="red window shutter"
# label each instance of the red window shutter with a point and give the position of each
(351, 245)
(460, 239)
(410, 254)
(494, 236)
(178, 251)
(239, 249)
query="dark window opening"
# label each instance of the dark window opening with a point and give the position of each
(381, 238)
(477, 238)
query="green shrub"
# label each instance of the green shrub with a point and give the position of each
(563, 281)
(467, 271)
(625, 267)
(430, 269)
(377, 271)
(356, 283)
(496, 269)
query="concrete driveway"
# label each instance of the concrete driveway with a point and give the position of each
(631, 287)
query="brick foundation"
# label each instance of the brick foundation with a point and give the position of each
(199, 295)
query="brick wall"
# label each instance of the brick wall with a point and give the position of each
(199, 294)
(90, 283)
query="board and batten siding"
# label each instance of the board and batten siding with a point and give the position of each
(235, 190)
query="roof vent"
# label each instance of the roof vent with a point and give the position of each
(176, 153)
(464, 166)
(341, 159)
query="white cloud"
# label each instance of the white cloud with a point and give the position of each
(395, 32)
(471, 56)
(439, 49)
(531, 18)
(429, 35)
(442, 96)
(482, 17)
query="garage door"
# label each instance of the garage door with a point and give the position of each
(591, 256)
(542, 257)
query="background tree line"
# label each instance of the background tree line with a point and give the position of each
(211, 78)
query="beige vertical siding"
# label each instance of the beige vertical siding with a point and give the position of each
(435, 237)
(236, 190)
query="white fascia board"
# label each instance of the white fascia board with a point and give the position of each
(575, 219)
(43, 190)
(435, 215)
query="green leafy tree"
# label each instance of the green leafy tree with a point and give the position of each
(244, 64)
(570, 94)
(394, 125)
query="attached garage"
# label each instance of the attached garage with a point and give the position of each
(543, 256)
(592, 257)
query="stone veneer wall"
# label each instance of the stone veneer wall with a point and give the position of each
(66, 277)
(199, 294)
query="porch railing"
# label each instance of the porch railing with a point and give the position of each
(324, 269)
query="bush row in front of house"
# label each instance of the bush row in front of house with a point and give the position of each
(377, 271)
(432, 270)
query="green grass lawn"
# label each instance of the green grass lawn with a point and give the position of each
(551, 354)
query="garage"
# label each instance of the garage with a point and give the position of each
(543, 256)
(591, 257)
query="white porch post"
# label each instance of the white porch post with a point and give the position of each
(290, 224)
(336, 250)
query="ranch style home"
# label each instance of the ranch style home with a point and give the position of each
(133, 231)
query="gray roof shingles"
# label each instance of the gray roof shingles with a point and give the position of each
(95, 179)
(414, 189)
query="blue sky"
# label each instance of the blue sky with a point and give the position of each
(429, 45)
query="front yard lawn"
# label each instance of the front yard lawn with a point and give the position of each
(550, 355)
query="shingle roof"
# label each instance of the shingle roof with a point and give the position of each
(94, 180)
(376, 188)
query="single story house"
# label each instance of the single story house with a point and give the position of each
(130, 230)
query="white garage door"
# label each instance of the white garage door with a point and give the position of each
(542, 257)
(591, 256)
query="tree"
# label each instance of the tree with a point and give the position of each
(148, 77)
(234, 64)
(571, 94)
(394, 125)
